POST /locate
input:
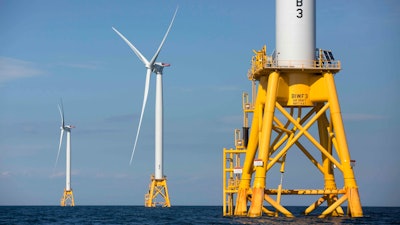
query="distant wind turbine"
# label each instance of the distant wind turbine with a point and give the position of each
(157, 68)
(68, 197)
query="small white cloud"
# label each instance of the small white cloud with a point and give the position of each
(5, 174)
(11, 69)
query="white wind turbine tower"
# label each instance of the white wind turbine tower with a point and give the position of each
(158, 185)
(68, 197)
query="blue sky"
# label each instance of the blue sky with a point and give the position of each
(67, 49)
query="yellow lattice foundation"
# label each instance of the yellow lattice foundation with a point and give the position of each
(157, 190)
(67, 199)
(290, 102)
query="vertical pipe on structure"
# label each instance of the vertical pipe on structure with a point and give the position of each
(159, 128)
(244, 186)
(245, 136)
(68, 162)
(264, 146)
(348, 174)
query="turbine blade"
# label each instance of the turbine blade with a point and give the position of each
(59, 147)
(146, 92)
(137, 52)
(163, 40)
(61, 110)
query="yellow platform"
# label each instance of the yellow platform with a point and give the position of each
(292, 103)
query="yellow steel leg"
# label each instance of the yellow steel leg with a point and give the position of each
(244, 186)
(241, 200)
(350, 184)
(263, 154)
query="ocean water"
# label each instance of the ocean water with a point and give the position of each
(175, 215)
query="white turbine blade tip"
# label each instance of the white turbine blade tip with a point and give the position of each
(61, 110)
(163, 40)
(146, 92)
(134, 49)
(59, 147)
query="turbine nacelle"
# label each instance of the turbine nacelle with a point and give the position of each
(67, 127)
(151, 66)
(162, 64)
(159, 66)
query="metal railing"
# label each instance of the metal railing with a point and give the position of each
(271, 63)
(304, 64)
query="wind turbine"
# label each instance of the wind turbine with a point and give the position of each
(68, 196)
(158, 181)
